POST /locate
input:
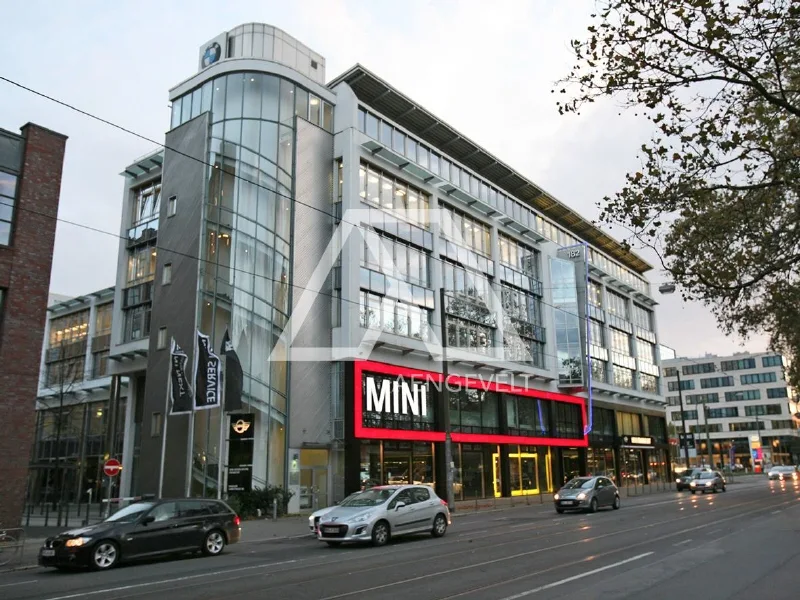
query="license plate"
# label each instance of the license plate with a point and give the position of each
(46, 552)
(330, 530)
(569, 501)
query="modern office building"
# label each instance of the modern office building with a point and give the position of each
(30, 185)
(317, 221)
(734, 405)
(80, 417)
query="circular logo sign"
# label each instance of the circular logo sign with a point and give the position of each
(241, 426)
(112, 467)
(212, 54)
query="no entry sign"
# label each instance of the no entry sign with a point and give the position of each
(112, 467)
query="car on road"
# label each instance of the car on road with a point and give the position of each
(683, 481)
(383, 512)
(146, 529)
(783, 472)
(314, 518)
(587, 493)
(709, 481)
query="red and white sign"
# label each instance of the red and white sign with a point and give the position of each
(112, 467)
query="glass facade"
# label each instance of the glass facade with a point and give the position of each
(245, 280)
(566, 321)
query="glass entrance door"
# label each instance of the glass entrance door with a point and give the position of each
(313, 488)
(524, 473)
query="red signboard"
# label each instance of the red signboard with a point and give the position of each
(112, 467)
(362, 366)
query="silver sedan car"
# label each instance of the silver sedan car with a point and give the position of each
(582, 493)
(383, 512)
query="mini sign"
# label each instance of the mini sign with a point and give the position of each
(635, 440)
(398, 397)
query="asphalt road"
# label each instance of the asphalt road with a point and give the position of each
(742, 544)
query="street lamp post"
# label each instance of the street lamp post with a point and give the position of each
(448, 449)
(709, 449)
(685, 441)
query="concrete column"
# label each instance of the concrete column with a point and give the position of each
(435, 267)
(88, 358)
(125, 482)
(499, 348)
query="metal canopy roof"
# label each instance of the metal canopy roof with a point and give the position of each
(373, 91)
(144, 164)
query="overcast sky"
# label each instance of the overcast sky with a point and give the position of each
(486, 68)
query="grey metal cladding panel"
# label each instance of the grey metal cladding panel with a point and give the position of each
(175, 305)
(310, 384)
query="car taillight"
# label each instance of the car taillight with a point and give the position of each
(444, 502)
(236, 520)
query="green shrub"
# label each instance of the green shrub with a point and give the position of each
(246, 504)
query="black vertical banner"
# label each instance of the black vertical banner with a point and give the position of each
(233, 375)
(240, 452)
(180, 390)
(208, 368)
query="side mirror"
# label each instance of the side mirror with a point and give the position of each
(399, 505)
(148, 519)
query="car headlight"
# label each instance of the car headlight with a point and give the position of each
(556, 497)
(361, 518)
(582, 496)
(677, 480)
(76, 542)
(694, 483)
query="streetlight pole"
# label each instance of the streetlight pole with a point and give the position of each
(709, 449)
(685, 443)
(448, 449)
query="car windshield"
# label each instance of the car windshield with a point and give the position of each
(579, 483)
(372, 497)
(706, 476)
(130, 513)
(784, 469)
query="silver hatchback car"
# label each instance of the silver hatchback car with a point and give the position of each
(380, 513)
(584, 493)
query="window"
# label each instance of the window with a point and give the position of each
(672, 386)
(166, 274)
(783, 424)
(172, 206)
(141, 265)
(623, 377)
(395, 258)
(394, 316)
(670, 372)
(162, 338)
(696, 369)
(100, 364)
(777, 393)
(137, 323)
(708, 398)
(759, 378)
(723, 413)
(713, 382)
(689, 415)
(596, 333)
(749, 426)
(617, 304)
(713, 428)
(628, 424)
(595, 293)
(471, 233)
(393, 196)
(8, 193)
(69, 329)
(642, 317)
(61, 375)
(763, 409)
(674, 400)
(742, 395)
(518, 256)
(469, 336)
(620, 342)
(646, 351)
(102, 319)
(156, 424)
(146, 203)
(771, 361)
(474, 411)
(648, 383)
(738, 365)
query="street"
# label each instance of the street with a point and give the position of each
(740, 544)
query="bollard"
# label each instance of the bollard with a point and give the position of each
(274, 509)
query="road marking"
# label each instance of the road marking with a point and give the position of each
(576, 577)
(19, 583)
(473, 532)
(775, 512)
(173, 580)
(683, 542)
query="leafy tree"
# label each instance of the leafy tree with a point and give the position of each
(717, 192)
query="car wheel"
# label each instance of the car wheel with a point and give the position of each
(616, 504)
(105, 555)
(593, 505)
(560, 511)
(439, 526)
(694, 491)
(213, 543)
(333, 544)
(724, 489)
(380, 534)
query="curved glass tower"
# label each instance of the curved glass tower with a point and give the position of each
(245, 275)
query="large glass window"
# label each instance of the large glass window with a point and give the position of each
(146, 203)
(519, 256)
(102, 319)
(763, 409)
(742, 395)
(617, 304)
(738, 365)
(394, 196)
(628, 423)
(713, 382)
(8, 192)
(466, 231)
(646, 351)
(620, 342)
(595, 293)
(623, 377)
(642, 317)
(754, 378)
(770, 361)
(526, 416)
(567, 322)
(141, 265)
(474, 411)
(394, 316)
(395, 258)
(69, 329)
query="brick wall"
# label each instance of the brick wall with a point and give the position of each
(25, 276)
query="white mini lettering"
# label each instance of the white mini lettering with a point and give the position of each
(640, 440)
(397, 397)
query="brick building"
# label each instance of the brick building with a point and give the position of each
(30, 181)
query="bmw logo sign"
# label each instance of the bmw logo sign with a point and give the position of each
(212, 54)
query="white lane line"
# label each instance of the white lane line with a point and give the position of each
(173, 580)
(683, 542)
(18, 583)
(775, 512)
(576, 577)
